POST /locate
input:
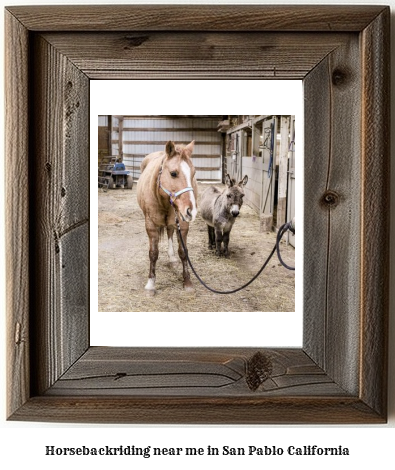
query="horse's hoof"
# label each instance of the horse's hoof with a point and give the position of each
(150, 287)
(188, 286)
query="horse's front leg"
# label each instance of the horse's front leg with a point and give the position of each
(170, 251)
(153, 235)
(185, 272)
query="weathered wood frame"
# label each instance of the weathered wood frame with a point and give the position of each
(340, 374)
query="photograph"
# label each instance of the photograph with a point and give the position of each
(196, 213)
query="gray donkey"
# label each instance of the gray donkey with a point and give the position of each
(219, 210)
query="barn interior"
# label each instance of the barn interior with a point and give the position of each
(259, 146)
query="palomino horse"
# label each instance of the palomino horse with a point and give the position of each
(167, 184)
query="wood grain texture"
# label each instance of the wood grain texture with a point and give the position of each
(74, 293)
(317, 150)
(196, 55)
(339, 376)
(375, 212)
(333, 224)
(190, 372)
(198, 410)
(196, 17)
(60, 202)
(17, 213)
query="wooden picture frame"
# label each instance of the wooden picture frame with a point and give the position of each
(340, 373)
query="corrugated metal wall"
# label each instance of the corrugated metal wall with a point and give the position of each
(103, 121)
(144, 135)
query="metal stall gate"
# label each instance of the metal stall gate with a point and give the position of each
(268, 171)
(291, 179)
(142, 135)
(236, 163)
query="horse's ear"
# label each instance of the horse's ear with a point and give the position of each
(244, 181)
(170, 149)
(228, 181)
(189, 149)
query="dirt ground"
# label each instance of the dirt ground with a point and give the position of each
(124, 265)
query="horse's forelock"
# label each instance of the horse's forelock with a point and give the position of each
(180, 149)
(184, 155)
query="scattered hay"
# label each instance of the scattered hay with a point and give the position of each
(124, 264)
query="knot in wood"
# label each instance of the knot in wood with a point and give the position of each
(259, 369)
(339, 77)
(330, 199)
(133, 42)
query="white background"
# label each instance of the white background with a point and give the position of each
(124, 97)
(22, 445)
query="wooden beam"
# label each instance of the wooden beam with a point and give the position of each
(162, 142)
(120, 137)
(142, 155)
(171, 129)
(283, 170)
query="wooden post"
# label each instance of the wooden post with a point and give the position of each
(120, 138)
(224, 155)
(283, 171)
(110, 124)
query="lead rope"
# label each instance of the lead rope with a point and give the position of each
(283, 229)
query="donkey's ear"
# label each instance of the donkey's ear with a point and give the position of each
(228, 181)
(244, 181)
(189, 149)
(170, 149)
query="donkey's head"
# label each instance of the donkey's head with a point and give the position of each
(234, 194)
(178, 179)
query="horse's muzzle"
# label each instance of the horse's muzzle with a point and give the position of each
(188, 215)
